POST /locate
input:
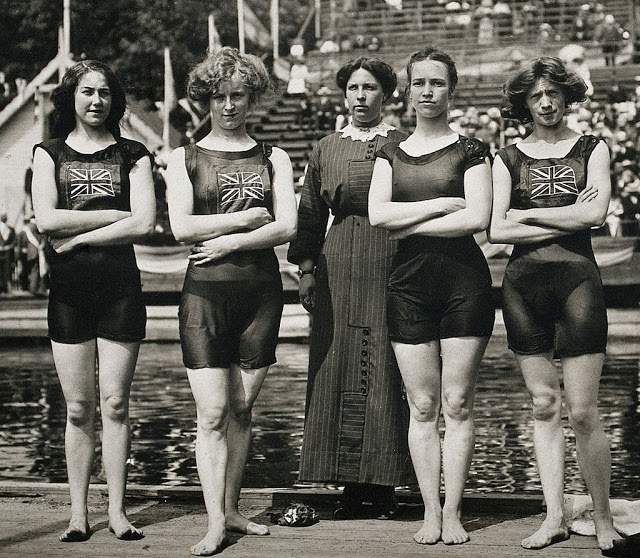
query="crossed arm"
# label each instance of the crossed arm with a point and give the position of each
(217, 235)
(70, 229)
(523, 226)
(440, 217)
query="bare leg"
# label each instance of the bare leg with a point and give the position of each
(244, 387)
(116, 365)
(420, 369)
(581, 382)
(76, 367)
(460, 361)
(541, 377)
(210, 388)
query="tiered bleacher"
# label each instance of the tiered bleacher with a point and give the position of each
(517, 31)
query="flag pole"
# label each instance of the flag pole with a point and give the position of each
(275, 28)
(212, 39)
(66, 26)
(168, 97)
(241, 25)
(318, 31)
(64, 39)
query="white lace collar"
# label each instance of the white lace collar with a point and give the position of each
(366, 134)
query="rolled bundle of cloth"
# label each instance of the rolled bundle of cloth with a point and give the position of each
(579, 515)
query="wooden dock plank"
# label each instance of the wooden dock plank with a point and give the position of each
(30, 526)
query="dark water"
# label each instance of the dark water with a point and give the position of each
(32, 416)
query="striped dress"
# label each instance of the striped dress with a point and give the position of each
(356, 417)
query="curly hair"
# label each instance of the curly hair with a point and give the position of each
(205, 78)
(436, 55)
(549, 67)
(379, 69)
(62, 97)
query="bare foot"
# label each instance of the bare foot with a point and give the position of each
(628, 547)
(212, 543)
(548, 534)
(121, 527)
(431, 529)
(452, 530)
(605, 533)
(239, 523)
(77, 531)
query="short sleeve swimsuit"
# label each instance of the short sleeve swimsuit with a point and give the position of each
(439, 287)
(552, 289)
(95, 291)
(230, 308)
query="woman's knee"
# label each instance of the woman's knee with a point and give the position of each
(240, 412)
(115, 408)
(546, 406)
(213, 419)
(80, 413)
(424, 407)
(456, 405)
(584, 419)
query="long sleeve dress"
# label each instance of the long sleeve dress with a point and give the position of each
(356, 417)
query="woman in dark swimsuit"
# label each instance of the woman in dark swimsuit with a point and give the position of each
(234, 199)
(549, 190)
(93, 197)
(433, 191)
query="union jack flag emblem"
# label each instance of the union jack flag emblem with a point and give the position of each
(240, 186)
(90, 182)
(553, 180)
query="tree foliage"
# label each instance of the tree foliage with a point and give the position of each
(130, 35)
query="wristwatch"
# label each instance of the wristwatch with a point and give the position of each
(302, 272)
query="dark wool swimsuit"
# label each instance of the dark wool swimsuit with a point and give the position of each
(552, 292)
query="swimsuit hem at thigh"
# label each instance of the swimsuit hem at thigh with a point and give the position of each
(253, 366)
(74, 341)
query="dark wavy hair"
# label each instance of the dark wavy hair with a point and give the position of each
(62, 97)
(437, 55)
(549, 67)
(379, 69)
(205, 78)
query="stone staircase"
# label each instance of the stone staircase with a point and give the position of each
(278, 124)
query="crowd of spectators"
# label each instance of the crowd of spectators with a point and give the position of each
(489, 22)
(23, 268)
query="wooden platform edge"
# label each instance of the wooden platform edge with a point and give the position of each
(276, 498)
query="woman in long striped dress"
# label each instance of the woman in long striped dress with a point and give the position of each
(356, 418)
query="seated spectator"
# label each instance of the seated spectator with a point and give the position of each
(360, 42)
(33, 267)
(325, 109)
(298, 75)
(346, 44)
(610, 38)
(7, 249)
(502, 18)
(530, 19)
(329, 46)
(574, 58)
(374, 44)
(484, 16)
(617, 94)
(614, 214)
